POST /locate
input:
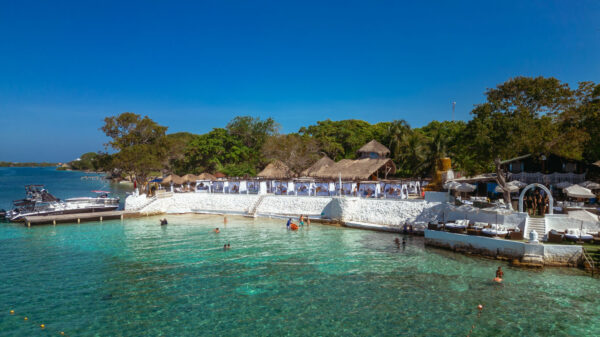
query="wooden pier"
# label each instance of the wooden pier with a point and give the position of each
(79, 217)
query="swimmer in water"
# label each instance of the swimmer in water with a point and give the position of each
(289, 223)
(217, 230)
(499, 273)
(225, 220)
(397, 242)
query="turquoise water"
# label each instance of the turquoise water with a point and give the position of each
(136, 278)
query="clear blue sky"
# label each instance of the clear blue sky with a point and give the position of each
(192, 66)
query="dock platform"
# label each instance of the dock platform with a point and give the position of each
(78, 217)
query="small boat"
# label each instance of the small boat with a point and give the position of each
(40, 202)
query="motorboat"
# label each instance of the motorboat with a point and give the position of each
(39, 202)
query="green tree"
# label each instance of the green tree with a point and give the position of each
(297, 152)
(141, 144)
(520, 116)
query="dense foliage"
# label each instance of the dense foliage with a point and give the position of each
(524, 115)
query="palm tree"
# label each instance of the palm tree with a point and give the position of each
(398, 132)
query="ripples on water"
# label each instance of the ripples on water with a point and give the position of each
(137, 278)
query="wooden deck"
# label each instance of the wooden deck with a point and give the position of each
(78, 217)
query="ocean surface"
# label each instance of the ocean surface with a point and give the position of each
(136, 278)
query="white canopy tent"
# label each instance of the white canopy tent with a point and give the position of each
(577, 191)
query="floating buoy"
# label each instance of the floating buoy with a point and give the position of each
(62, 332)
(12, 312)
(480, 307)
(294, 227)
(498, 280)
(25, 318)
(42, 326)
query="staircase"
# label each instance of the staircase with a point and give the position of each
(537, 224)
(252, 211)
(590, 261)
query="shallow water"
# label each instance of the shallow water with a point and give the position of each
(135, 278)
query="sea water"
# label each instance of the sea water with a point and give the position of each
(136, 278)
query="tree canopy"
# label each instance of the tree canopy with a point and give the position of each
(523, 115)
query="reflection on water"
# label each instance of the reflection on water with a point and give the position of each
(136, 278)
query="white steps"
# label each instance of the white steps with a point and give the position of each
(537, 224)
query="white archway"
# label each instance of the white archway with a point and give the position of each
(551, 199)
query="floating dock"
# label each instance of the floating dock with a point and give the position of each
(78, 217)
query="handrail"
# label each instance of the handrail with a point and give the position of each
(589, 260)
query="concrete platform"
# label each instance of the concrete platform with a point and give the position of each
(78, 217)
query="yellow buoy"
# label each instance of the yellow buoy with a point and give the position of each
(62, 332)
(12, 312)
(25, 318)
(42, 326)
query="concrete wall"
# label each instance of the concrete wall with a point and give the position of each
(560, 222)
(551, 255)
(476, 244)
(293, 205)
(377, 211)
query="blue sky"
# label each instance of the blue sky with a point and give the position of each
(192, 66)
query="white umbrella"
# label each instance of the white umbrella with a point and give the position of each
(577, 191)
(464, 187)
(451, 185)
(590, 185)
(563, 184)
(517, 183)
(510, 187)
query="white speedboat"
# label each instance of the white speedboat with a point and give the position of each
(40, 202)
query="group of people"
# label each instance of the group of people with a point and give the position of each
(301, 223)
(537, 204)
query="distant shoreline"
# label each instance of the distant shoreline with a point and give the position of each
(43, 164)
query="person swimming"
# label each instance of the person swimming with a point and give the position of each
(499, 275)
(217, 230)
(397, 242)
(163, 222)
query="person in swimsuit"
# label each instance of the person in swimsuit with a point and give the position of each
(499, 273)
(289, 223)
(217, 230)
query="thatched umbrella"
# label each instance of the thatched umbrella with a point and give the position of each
(189, 178)
(173, 179)
(374, 147)
(320, 164)
(276, 170)
(206, 176)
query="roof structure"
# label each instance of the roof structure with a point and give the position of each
(318, 166)
(220, 175)
(375, 147)
(508, 161)
(276, 170)
(173, 179)
(477, 179)
(189, 178)
(206, 176)
(360, 169)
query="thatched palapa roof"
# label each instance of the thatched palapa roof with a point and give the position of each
(376, 147)
(316, 167)
(276, 170)
(189, 178)
(206, 176)
(360, 169)
(173, 179)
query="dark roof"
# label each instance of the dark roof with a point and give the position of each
(374, 146)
